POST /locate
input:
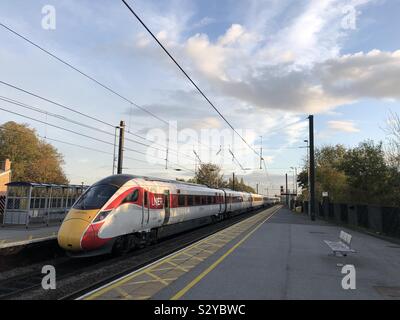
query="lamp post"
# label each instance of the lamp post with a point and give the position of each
(308, 176)
(295, 179)
(115, 147)
(312, 166)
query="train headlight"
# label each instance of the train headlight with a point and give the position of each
(102, 215)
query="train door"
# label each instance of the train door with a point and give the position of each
(145, 208)
(223, 200)
(167, 206)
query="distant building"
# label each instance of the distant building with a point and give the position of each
(5, 175)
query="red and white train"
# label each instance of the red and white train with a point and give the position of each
(123, 211)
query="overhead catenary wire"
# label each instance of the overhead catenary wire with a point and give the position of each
(104, 86)
(187, 75)
(24, 105)
(64, 142)
(81, 72)
(36, 109)
(55, 103)
(88, 148)
(113, 91)
(80, 134)
(237, 161)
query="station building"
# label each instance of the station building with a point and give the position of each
(5, 175)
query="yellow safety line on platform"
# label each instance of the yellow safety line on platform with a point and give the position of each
(175, 259)
(177, 266)
(216, 263)
(124, 294)
(156, 277)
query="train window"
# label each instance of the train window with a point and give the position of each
(209, 199)
(190, 200)
(181, 200)
(196, 200)
(132, 197)
(145, 198)
(95, 197)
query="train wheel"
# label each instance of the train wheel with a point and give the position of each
(122, 245)
(153, 236)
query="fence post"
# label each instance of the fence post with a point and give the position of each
(4, 209)
(49, 206)
(28, 209)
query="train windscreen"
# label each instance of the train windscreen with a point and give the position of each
(95, 197)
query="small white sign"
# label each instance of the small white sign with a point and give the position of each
(324, 194)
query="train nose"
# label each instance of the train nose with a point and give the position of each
(73, 228)
(71, 233)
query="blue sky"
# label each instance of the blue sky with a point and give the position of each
(265, 64)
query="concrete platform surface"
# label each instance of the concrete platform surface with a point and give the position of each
(275, 254)
(286, 258)
(18, 235)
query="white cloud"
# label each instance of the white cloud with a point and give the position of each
(204, 22)
(298, 69)
(345, 126)
(209, 59)
(277, 59)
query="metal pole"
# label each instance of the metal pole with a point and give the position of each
(261, 158)
(121, 147)
(287, 195)
(293, 182)
(166, 155)
(312, 167)
(257, 188)
(115, 147)
(308, 177)
(233, 181)
(295, 172)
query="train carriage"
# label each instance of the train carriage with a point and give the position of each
(257, 201)
(123, 211)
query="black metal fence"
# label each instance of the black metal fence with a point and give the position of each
(2, 207)
(382, 220)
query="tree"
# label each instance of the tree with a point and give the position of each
(210, 175)
(329, 176)
(359, 175)
(367, 173)
(239, 185)
(32, 159)
(393, 140)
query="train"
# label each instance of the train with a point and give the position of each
(124, 211)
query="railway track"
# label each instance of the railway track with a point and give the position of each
(78, 276)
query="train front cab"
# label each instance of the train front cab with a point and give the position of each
(79, 231)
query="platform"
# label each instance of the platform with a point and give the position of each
(11, 236)
(276, 254)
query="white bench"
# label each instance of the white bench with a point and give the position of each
(342, 246)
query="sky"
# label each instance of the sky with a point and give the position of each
(266, 65)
